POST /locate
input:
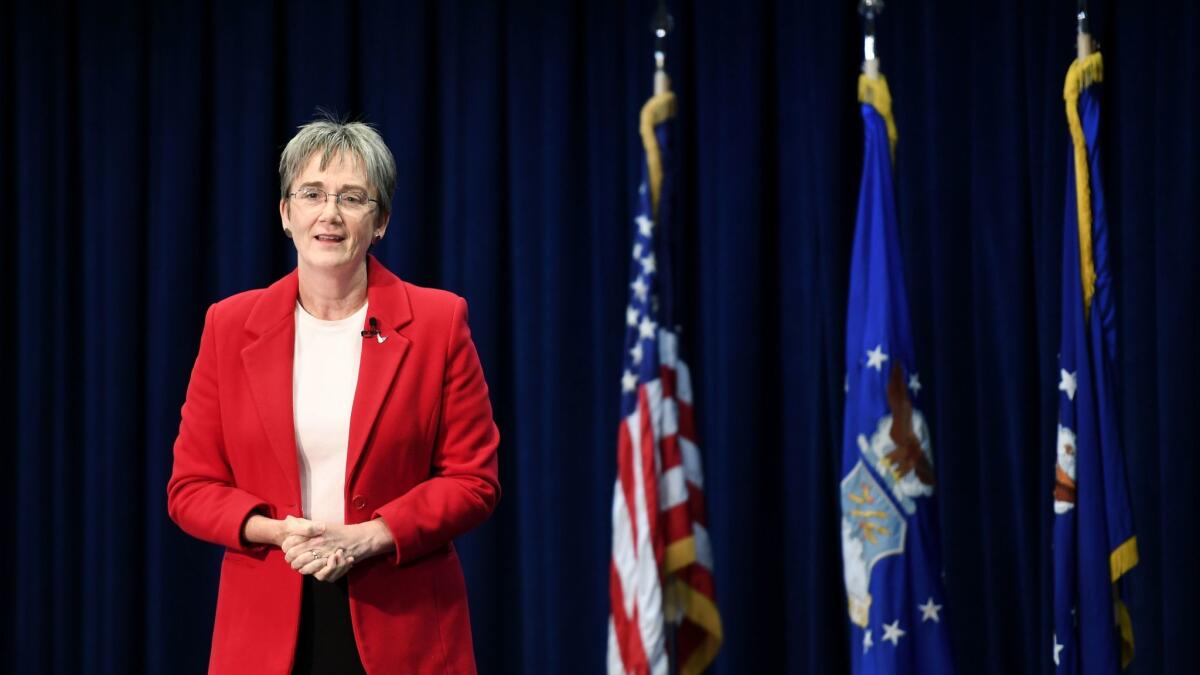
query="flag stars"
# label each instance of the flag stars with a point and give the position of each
(636, 353)
(631, 316)
(875, 358)
(649, 266)
(637, 250)
(892, 632)
(1068, 383)
(628, 382)
(1057, 648)
(647, 328)
(640, 289)
(914, 383)
(867, 642)
(929, 611)
(645, 225)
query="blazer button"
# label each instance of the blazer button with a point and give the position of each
(360, 502)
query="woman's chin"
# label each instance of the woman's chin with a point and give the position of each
(330, 259)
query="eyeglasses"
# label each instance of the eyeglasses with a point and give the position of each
(351, 201)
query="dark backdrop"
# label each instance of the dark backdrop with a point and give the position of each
(138, 144)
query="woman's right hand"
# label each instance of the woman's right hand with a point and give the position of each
(260, 529)
(296, 531)
(291, 532)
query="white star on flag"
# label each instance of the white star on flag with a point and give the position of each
(1057, 648)
(637, 250)
(636, 353)
(892, 632)
(867, 643)
(1067, 383)
(648, 264)
(628, 382)
(631, 316)
(929, 611)
(876, 357)
(645, 225)
(647, 328)
(914, 383)
(640, 288)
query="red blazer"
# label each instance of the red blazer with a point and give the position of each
(421, 455)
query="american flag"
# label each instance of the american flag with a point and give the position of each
(664, 616)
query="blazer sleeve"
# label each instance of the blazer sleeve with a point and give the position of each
(464, 486)
(201, 495)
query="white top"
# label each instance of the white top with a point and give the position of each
(324, 377)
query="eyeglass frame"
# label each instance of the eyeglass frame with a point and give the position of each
(337, 196)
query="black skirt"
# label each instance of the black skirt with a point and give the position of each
(325, 643)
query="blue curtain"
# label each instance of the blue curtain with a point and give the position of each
(138, 145)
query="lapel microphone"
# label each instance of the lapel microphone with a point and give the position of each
(374, 331)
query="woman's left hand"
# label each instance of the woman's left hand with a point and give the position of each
(357, 542)
(339, 563)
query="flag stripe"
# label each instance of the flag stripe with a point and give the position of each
(661, 573)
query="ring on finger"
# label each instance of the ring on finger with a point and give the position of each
(315, 554)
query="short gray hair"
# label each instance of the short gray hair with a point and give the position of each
(330, 136)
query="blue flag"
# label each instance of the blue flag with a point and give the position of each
(1094, 543)
(890, 544)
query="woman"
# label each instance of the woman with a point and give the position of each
(337, 435)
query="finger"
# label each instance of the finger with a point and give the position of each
(300, 559)
(296, 552)
(335, 568)
(323, 573)
(341, 570)
(313, 567)
(291, 552)
(337, 574)
(303, 547)
(292, 541)
(303, 526)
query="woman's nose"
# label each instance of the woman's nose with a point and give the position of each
(330, 212)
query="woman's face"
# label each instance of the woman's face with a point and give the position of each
(328, 234)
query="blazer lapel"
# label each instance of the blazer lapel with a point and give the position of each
(268, 365)
(387, 303)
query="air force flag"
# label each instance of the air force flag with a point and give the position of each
(1094, 542)
(890, 547)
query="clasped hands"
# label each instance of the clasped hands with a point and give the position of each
(316, 548)
(327, 550)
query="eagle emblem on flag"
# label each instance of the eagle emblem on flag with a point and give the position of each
(900, 446)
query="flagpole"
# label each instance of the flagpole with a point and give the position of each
(869, 9)
(1084, 45)
(661, 25)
